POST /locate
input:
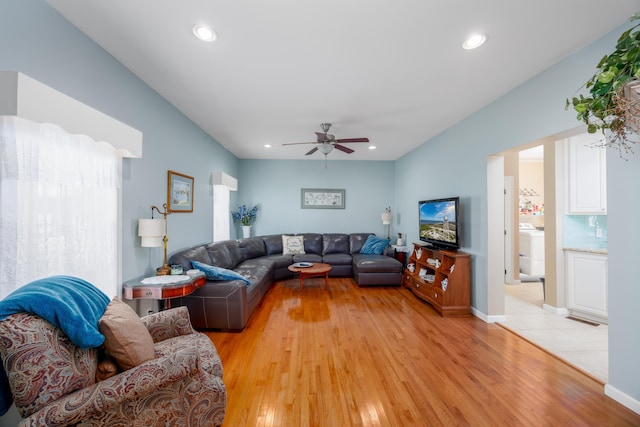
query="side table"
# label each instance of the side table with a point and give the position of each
(401, 253)
(162, 288)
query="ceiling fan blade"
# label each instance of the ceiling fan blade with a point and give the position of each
(343, 148)
(313, 150)
(342, 141)
(298, 143)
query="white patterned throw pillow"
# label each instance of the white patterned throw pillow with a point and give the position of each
(292, 244)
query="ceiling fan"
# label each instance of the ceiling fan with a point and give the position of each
(327, 142)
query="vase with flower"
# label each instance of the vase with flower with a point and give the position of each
(246, 216)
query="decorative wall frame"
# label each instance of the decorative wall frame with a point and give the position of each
(322, 198)
(179, 192)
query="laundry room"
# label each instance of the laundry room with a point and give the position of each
(531, 209)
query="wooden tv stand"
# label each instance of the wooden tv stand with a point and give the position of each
(450, 298)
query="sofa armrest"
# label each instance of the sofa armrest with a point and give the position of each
(168, 323)
(389, 251)
(132, 384)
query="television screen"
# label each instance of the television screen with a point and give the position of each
(439, 224)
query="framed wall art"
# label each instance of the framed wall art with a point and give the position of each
(179, 192)
(322, 198)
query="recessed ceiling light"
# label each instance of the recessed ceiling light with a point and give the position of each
(474, 41)
(204, 33)
(267, 145)
(372, 147)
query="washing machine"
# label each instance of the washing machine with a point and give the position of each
(531, 250)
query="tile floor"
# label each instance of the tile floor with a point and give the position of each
(582, 345)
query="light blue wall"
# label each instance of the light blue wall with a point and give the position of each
(276, 184)
(37, 41)
(623, 205)
(455, 163)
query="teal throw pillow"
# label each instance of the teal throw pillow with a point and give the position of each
(374, 245)
(211, 272)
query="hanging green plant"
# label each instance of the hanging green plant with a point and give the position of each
(613, 106)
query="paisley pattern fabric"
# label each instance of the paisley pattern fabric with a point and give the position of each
(53, 381)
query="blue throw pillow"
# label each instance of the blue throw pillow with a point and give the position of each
(374, 245)
(212, 272)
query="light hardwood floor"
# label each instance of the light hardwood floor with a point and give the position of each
(351, 356)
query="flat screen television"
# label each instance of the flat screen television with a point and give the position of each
(439, 222)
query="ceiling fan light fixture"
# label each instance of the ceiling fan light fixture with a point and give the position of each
(325, 148)
(204, 33)
(372, 147)
(474, 41)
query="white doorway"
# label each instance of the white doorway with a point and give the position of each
(544, 324)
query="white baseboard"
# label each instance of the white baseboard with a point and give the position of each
(622, 398)
(488, 319)
(555, 310)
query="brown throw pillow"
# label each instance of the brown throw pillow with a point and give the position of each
(126, 338)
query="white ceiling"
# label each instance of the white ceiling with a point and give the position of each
(393, 71)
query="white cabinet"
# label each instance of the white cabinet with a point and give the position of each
(587, 284)
(586, 175)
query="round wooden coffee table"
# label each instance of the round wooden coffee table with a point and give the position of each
(316, 270)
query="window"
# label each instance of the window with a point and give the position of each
(58, 206)
(223, 184)
(221, 227)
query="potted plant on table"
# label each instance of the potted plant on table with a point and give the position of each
(246, 217)
(613, 104)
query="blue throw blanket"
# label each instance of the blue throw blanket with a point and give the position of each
(69, 303)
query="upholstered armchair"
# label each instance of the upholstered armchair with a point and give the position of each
(54, 383)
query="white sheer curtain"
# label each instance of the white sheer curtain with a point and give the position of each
(221, 212)
(58, 206)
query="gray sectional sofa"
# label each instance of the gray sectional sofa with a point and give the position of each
(228, 304)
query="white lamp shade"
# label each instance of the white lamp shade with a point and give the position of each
(152, 232)
(386, 218)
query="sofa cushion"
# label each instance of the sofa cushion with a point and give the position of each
(252, 247)
(312, 243)
(273, 244)
(356, 241)
(337, 259)
(257, 272)
(220, 255)
(184, 258)
(126, 338)
(370, 263)
(233, 246)
(280, 260)
(335, 243)
(215, 273)
(374, 245)
(292, 244)
(307, 258)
